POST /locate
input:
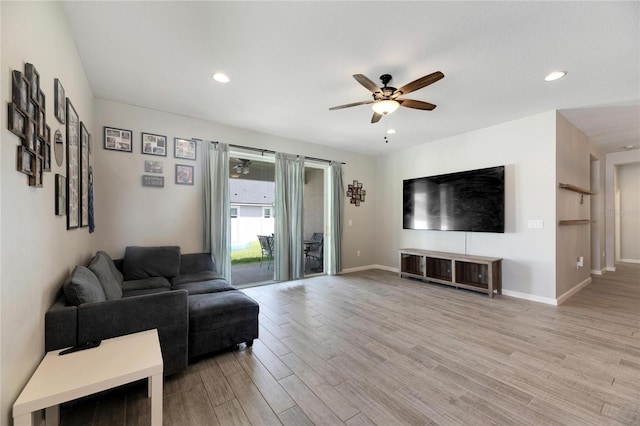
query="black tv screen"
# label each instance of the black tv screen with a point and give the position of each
(465, 201)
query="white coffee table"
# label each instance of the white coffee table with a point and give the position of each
(117, 361)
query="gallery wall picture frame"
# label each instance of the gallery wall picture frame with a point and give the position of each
(17, 121)
(186, 149)
(47, 157)
(84, 175)
(153, 144)
(58, 147)
(153, 181)
(41, 100)
(26, 161)
(61, 195)
(184, 174)
(31, 135)
(33, 77)
(59, 100)
(37, 179)
(118, 139)
(20, 91)
(41, 123)
(73, 166)
(151, 166)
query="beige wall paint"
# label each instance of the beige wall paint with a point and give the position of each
(37, 251)
(526, 148)
(573, 166)
(128, 214)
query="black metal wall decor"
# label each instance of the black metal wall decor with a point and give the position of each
(356, 193)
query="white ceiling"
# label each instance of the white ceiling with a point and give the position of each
(290, 61)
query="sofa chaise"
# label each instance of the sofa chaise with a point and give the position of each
(195, 310)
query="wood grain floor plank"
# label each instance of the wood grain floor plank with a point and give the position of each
(294, 416)
(251, 400)
(308, 402)
(230, 414)
(274, 394)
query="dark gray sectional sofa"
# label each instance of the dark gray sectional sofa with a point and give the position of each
(194, 309)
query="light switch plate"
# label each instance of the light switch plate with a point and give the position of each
(536, 224)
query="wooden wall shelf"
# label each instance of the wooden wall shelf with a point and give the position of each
(574, 188)
(574, 222)
(477, 273)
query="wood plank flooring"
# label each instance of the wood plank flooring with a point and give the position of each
(369, 348)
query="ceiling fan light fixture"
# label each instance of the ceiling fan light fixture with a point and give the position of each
(221, 77)
(556, 75)
(385, 107)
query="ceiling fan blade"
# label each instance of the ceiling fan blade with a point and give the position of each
(419, 83)
(364, 80)
(410, 103)
(376, 117)
(350, 105)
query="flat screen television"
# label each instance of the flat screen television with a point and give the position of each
(465, 201)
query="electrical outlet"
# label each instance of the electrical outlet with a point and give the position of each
(358, 253)
(536, 224)
(350, 222)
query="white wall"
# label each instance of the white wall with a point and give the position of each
(629, 215)
(128, 214)
(613, 160)
(573, 166)
(527, 148)
(37, 251)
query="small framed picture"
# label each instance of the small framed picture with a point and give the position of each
(185, 148)
(153, 181)
(117, 139)
(41, 123)
(61, 195)
(41, 100)
(154, 144)
(184, 174)
(33, 77)
(26, 161)
(31, 135)
(47, 156)
(32, 110)
(151, 166)
(36, 180)
(17, 121)
(59, 98)
(20, 91)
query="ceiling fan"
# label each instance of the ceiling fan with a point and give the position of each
(387, 99)
(242, 167)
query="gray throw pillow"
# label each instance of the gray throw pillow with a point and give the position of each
(147, 262)
(108, 275)
(83, 286)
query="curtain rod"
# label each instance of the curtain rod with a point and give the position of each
(268, 151)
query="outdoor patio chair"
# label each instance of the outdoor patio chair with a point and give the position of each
(266, 247)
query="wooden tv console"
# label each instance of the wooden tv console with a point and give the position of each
(477, 273)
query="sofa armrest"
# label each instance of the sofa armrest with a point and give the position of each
(167, 311)
(60, 326)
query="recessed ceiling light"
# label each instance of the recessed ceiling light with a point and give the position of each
(391, 131)
(221, 77)
(555, 75)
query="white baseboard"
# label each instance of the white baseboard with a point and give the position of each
(532, 297)
(573, 291)
(629, 260)
(367, 267)
(611, 268)
(598, 272)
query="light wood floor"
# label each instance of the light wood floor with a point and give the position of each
(370, 348)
